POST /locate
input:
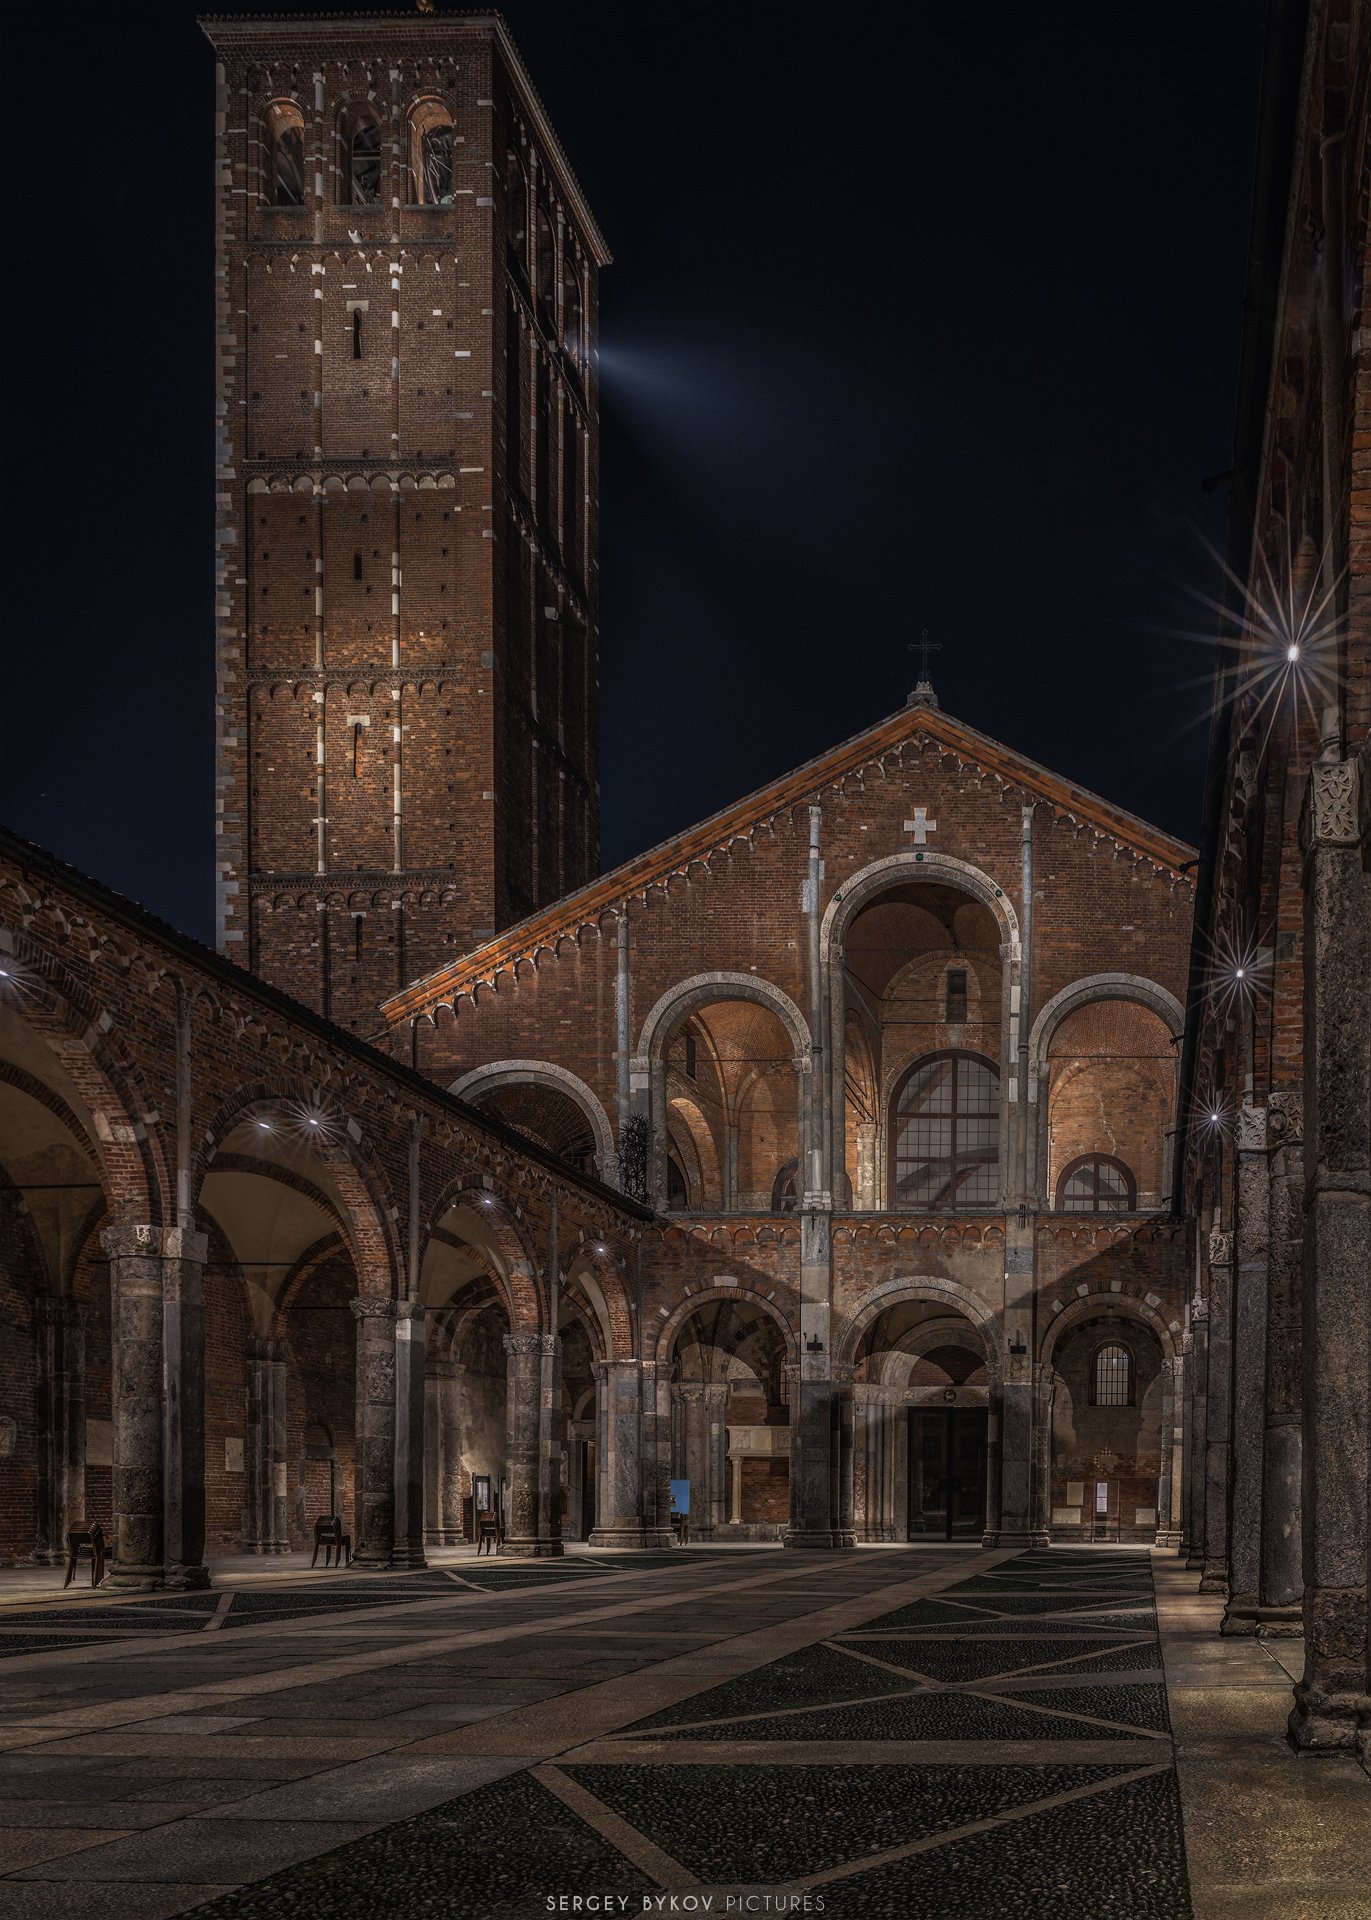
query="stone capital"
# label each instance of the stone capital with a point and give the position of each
(1220, 1248)
(371, 1306)
(1285, 1118)
(410, 1310)
(1335, 805)
(154, 1243)
(1199, 1310)
(1251, 1128)
(528, 1343)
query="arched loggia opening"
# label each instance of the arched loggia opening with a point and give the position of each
(1109, 1386)
(921, 1400)
(730, 1420)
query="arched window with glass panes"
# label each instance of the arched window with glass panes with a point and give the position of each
(359, 137)
(285, 144)
(1096, 1183)
(945, 1134)
(1111, 1377)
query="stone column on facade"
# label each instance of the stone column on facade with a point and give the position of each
(867, 1195)
(1197, 1446)
(266, 1519)
(1214, 1578)
(523, 1439)
(157, 1338)
(815, 1424)
(410, 1356)
(1331, 1698)
(1281, 1591)
(551, 1460)
(1169, 1481)
(845, 1528)
(656, 1454)
(1022, 1521)
(865, 1474)
(1251, 1238)
(705, 1409)
(619, 1454)
(60, 1411)
(374, 1523)
(1186, 1402)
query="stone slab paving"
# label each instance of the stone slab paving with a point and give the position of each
(909, 1732)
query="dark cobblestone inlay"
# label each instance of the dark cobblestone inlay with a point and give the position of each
(813, 1676)
(16, 1643)
(143, 1614)
(1115, 1856)
(920, 1716)
(493, 1854)
(773, 1823)
(963, 1659)
(1136, 1704)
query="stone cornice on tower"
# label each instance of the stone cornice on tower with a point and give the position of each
(267, 33)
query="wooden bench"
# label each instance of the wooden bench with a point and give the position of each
(86, 1539)
(328, 1534)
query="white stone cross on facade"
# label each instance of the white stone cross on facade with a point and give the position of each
(921, 826)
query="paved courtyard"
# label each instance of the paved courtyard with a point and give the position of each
(907, 1731)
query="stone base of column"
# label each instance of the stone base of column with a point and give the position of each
(135, 1580)
(256, 1546)
(1280, 1623)
(445, 1537)
(630, 1539)
(1325, 1722)
(1016, 1537)
(373, 1561)
(531, 1549)
(1240, 1615)
(186, 1579)
(41, 1557)
(1170, 1539)
(825, 1539)
(408, 1553)
(1194, 1561)
(1214, 1579)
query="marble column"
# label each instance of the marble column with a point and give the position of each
(656, 1454)
(443, 1391)
(816, 1413)
(845, 1531)
(410, 1356)
(266, 1528)
(373, 1534)
(157, 1332)
(704, 1410)
(618, 1454)
(551, 1452)
(1281, 1593)
(1172, 1453)
(1214, 1578)
(1198, 1441)
(1331, 1698)
(528, 1463)
(1251, 1237)
(60, 1410)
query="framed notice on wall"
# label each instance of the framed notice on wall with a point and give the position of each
(480, 1493)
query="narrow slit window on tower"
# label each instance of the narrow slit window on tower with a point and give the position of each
(357, 936)
(956, 996)
(356, 333)
(356, 566)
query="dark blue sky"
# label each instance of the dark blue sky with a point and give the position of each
(918, 317)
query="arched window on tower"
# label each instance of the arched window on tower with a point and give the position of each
(285, 143)
(547, 267)
(1096, 1183)
(516, 208)
(360, 138)
(945, 1133)
(1111, 1377)
(430, 154)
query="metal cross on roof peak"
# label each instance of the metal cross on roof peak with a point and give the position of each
(923, 694)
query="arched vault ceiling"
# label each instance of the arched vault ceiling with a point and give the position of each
(267, 1223)
(912, 920)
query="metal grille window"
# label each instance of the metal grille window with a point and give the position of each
(1113, 1381)
(945, 1136)
(1096, 1183)
(956, 996)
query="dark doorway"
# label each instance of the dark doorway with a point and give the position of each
(947, 1473)
(587, 1489)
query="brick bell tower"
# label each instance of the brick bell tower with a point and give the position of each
(408, 445)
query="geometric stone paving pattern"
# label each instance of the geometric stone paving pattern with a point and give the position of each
(935, 1734)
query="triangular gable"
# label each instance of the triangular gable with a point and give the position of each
(712, 835)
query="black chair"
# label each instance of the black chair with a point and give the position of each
(328, 1534)
(86, 1539)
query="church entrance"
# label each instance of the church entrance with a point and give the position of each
(947, 1454)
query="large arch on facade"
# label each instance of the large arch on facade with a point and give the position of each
(924, 867)
(1132, 987)
(931, 1290)
(473, 1086)
(695, 996)
(719, 1296)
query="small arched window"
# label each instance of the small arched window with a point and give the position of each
(430, 154)
(285, 141)
(546, 265)
(573, 322)
(361, 143)
(945, 1133)
(516, 208)
(785, 1193)
(1096, 1183)
(1111, 1378)
(677, 1190)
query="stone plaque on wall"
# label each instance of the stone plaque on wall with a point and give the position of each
(1075, 1493)
(233, 1455)
(1065, 1517)
(99, 1443)
(1145, 1517)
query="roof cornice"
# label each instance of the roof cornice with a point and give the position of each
(652, 868)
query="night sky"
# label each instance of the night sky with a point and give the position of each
(919, 317)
